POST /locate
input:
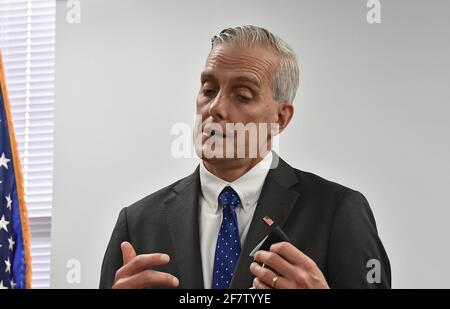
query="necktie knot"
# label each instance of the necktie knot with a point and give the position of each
(229, 198)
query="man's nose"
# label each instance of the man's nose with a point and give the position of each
(218, 107)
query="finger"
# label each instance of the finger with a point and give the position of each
(127, 252)
(145, 279)
(259, 285)
(292, 255)
(140, 262)
(266, 277)
(276, 262)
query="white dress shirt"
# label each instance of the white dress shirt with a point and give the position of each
(248, 187)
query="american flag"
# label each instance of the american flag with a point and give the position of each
(15, 261)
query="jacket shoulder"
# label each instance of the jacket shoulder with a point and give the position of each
(154, 202)
(312, 184)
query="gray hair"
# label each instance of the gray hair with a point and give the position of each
(286, 79)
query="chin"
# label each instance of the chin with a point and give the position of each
(225, 162)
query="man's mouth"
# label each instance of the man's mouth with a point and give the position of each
(213, 132)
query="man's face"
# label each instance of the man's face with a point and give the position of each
(236, 87)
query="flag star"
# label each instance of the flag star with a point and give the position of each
(2, 287)
(4, 161)
(8, 201)
(13, 284)
(8, 266)
(11, 243)
(4, 224)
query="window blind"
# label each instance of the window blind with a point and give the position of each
(27, 42)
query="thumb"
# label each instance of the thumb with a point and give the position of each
(127, 252)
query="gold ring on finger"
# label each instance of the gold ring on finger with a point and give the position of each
(274, 282)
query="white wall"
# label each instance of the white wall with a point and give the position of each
(372, 113)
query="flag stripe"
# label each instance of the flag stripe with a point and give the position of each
(22, 224)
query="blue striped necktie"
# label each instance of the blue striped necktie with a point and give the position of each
(228, 244)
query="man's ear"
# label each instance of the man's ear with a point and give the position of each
(284, 115)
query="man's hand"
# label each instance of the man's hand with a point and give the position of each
(134, 275)
(289, 269)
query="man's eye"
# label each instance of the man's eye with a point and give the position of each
(243, 98)
(208, 92)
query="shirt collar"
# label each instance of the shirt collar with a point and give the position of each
(248, 186)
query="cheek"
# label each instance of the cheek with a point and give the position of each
(198, 101)
(201, 106)
(267, 109)
(271, 111)
(265, 114)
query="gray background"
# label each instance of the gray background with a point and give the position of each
(372, 113)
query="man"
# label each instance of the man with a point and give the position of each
(199, 232)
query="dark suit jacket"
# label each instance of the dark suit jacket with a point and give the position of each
(330, 223)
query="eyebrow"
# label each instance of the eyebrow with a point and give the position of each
(205, 76)
(250, 80)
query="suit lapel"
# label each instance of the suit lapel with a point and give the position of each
(276, 201)
(182, 215)
(183, 221)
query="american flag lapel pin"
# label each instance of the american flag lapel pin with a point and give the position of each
(268, 220)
